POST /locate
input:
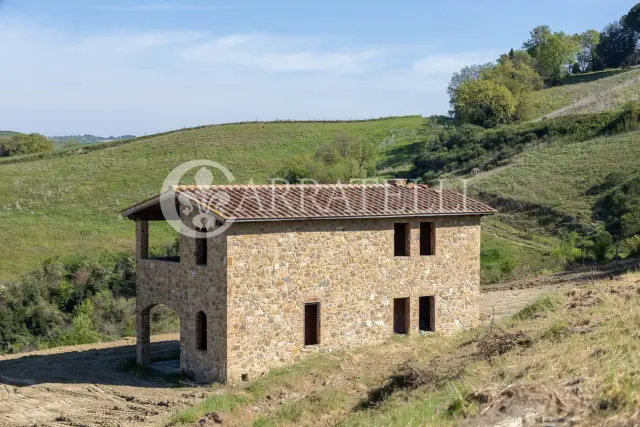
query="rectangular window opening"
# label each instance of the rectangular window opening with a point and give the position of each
(312, 323)
(401, 315)
(427, 314)
(427, 239)
(401, 239)
(201, 249)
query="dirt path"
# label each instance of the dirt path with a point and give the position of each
(87, 386)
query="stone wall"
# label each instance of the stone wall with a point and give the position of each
(259, 276)
(187, 288)
(350, 268)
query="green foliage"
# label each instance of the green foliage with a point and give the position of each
(345, 158)
(617, 45)
(79, 301)
(620, 210)
(516, 72)
(466, 74)
(484, 103)
(541, 305)
(218, 403)
(25, 144)
(568, 250)
(587, 56)
(602, 246)
(554, 52)
(632, 19)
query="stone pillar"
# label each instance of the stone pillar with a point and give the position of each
(143, 337)
(142, 239)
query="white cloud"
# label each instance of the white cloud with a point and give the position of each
(439, 64)
(276, 54)
(160, 7)
(137, 83)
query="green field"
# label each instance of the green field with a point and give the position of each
(69, 203)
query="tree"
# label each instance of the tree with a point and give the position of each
(537, 36)
(515, 71)
(26, 144)
(483, 102)
(346, 157)
(617, 45)
(632, 19)
(587, 55)
(554, 52)
(467, 73)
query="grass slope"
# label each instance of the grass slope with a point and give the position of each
(592, 92)
(69, 202)
(569, 355)
(550, 187)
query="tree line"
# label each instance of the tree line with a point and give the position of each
(19, 144)
(497, 93)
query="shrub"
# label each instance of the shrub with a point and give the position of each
(25, 144)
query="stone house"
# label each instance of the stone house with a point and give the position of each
(301, 269)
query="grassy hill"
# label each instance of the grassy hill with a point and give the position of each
(8, 133)
(551, 188)
(570, 355)
(591, 92)
(67, 203)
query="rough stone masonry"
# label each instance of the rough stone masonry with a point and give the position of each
(271, 292)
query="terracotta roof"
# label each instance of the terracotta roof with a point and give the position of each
(283, 202)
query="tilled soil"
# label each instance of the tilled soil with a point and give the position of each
(87, 386)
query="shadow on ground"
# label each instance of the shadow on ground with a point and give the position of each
(102, 366)
(586, 78)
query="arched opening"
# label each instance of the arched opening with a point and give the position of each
(159, 339)
(201, 331)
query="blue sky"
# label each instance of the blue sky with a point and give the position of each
(112, 67)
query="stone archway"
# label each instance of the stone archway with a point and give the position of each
(144, 352)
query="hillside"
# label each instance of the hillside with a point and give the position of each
(586, 93)
(68, 203)
(568, 358)
(549, 189)
(569, 354)
(88, 139)
(8, 133)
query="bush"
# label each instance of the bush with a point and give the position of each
(25, 144)
(602, 247)
(79, 301)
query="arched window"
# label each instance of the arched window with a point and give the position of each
(201, 331)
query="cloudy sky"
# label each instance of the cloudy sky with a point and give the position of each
(111, 67)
